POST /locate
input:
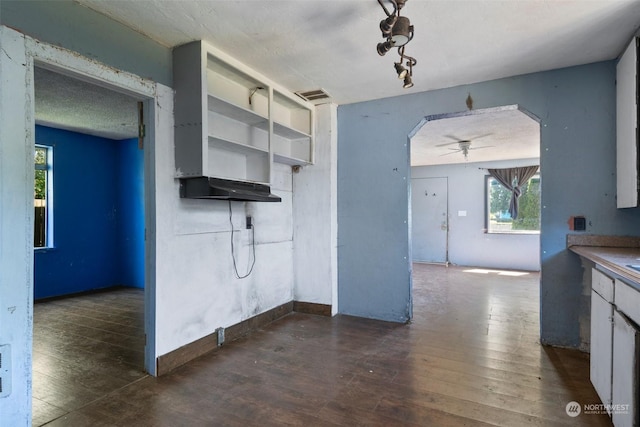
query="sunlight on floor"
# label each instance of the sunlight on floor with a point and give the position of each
(498, 272)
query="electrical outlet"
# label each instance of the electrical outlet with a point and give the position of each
(249, 223)
(579, 223)
(220, 332)
(5, 370)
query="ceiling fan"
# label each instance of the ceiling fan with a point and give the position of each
(464, 145)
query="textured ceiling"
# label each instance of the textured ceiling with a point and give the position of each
(310, 44)
(71, 104)
(502, 133)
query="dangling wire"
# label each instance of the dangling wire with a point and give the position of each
(233, 255)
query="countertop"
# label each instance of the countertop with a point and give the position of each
(614, 253)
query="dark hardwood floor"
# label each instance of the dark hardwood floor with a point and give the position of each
(470, 357)
(85, 347)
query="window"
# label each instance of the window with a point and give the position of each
(43, 192)
(498, 218)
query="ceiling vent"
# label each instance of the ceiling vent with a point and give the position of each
(317, 96)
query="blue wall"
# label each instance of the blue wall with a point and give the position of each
(80, 29)
(576, 107)
(131, 213)
(98, 231)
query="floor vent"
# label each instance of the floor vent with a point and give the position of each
(5, 370)
(318, 96)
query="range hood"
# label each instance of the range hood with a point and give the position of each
(224, 189)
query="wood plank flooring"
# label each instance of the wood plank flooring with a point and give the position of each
(471, 357)
(85, 347)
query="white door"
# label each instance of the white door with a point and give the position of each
(429, 219)
(625, 375)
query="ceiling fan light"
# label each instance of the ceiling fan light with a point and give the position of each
(384, 47)
(402, 31)
(402, 72)
(407, 82)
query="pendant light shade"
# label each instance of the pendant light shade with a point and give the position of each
(402, 31)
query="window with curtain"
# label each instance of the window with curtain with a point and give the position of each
(499, 212)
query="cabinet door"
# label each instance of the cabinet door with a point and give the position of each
(627, 127)
(601, 346)
(625, 371)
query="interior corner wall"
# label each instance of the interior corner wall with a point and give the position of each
(469, 244)
(98, 215)
(130, 215)
(315, 216)
(576, 107)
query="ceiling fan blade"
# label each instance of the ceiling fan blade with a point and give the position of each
(447, 143)
(454, 149)
(484, 146)
(481, 136)
(453, 152)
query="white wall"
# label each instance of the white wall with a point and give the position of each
(469, 245)
(315, 217)
(197, 291)
(16, 226)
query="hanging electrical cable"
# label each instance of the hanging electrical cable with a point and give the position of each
(233, 254)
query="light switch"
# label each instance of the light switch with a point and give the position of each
(462, 213)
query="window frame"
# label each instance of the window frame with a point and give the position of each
(48, 168)
(487, 210)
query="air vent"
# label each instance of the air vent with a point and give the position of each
(318, 96)
(5, 370)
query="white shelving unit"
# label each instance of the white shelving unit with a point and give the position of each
(232, 122)
(292, 131)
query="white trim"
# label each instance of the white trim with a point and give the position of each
(71, 63)
(91, 71)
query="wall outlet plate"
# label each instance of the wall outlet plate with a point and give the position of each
(5, 370)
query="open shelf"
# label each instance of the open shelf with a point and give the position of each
(287, 132)
(232, 122)
(235, 112)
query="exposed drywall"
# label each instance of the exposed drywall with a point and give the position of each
(67, 24)
(98, 215)
(314, 217)
(576, 107)
(468, 242)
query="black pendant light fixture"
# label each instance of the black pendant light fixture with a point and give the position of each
(397, 32)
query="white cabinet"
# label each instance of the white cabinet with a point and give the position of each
(625, 371)
(231, 122)
(627, 127)
(615, 346)
(601, 334)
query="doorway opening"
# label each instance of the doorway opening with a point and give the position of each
(90, 268)
(456, 151)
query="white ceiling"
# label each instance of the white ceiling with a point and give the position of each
(66, 103)
(311, 44)
(502, 133)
